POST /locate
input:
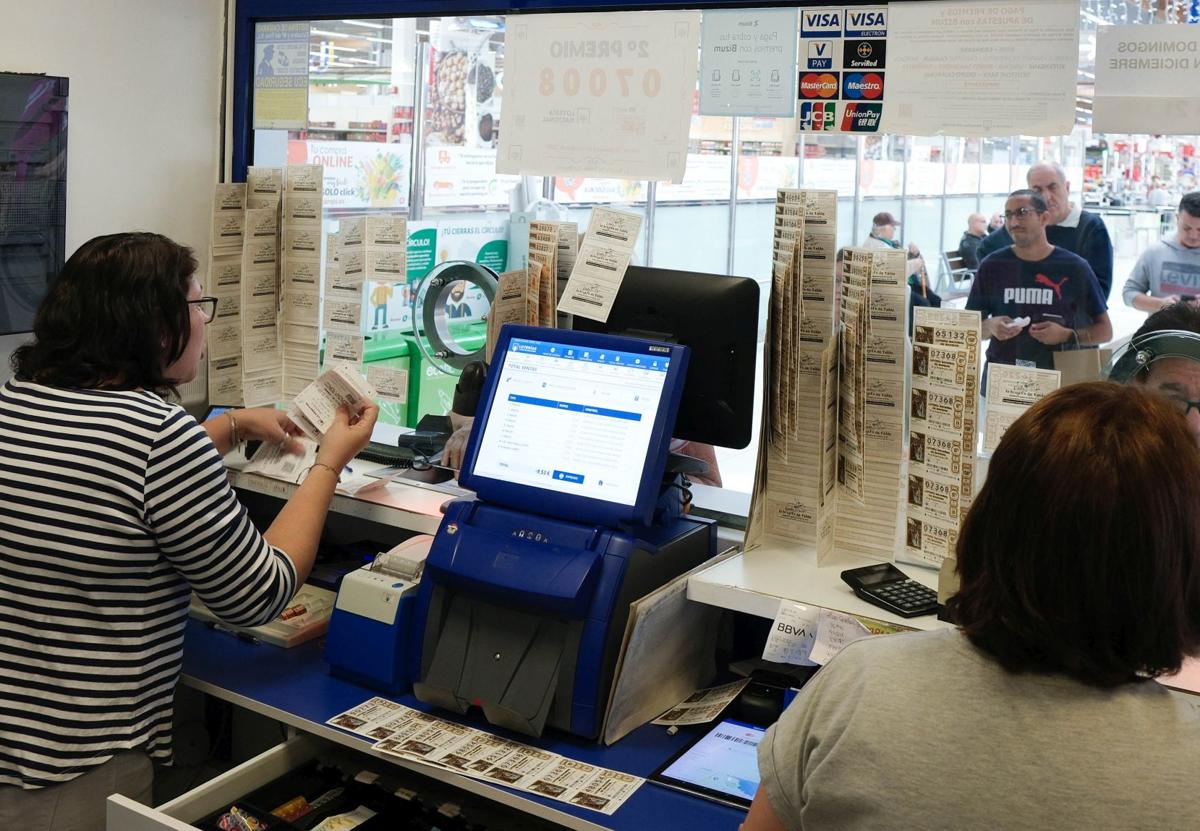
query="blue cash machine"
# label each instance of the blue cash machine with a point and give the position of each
(526, 589)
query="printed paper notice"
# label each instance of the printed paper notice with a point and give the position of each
(1138, 79)
(1011, 390)
(834, 631)
(601, 263)
(281, 76)
(792, 634)
(981, 68)
(599, 95)
(748, 62)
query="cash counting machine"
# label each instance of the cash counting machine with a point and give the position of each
(526, 590)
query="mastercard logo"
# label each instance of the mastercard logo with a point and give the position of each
(818, 85)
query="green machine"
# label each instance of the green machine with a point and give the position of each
(439, 345)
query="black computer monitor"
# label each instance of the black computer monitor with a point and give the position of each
(715, 315)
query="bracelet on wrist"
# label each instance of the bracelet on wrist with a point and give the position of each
(335, 471)
(234, 436)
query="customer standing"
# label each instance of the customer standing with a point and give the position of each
(1080, 568)
(1169, 270)
(114, 508)
(968, 246)
(1078, 231)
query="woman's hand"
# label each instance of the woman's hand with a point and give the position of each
(349, 434)
(268, 425)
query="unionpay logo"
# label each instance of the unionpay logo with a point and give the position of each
(819, 85)
(867, 85)
(820, 54)
(818, 115)
(861, 118)
(866, 23)
(820, 23)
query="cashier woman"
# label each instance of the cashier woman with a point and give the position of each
(114, 508)
(1080, 584)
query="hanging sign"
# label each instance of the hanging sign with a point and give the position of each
(748, 62)
(1140, 86)
(599, 95)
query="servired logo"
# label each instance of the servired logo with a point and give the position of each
(867, 85)
(861, 118)
(819, 85)
(818, 115)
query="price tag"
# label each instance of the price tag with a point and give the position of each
(608, 96)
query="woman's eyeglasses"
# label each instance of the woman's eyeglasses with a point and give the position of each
(208, 307)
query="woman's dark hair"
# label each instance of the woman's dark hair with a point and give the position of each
(116, 316)
(1080, 553)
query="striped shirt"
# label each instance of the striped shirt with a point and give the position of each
(114, 507)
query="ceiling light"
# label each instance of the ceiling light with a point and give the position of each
(348, 36)
(364, 23)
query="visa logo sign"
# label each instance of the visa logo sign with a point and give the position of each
(869, 23)
(820, 55)
(821, 23)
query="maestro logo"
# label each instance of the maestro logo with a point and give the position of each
(868, 85)
(818, 115)
(861, 118)
(819, 85)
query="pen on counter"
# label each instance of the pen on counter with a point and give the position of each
(245, 637)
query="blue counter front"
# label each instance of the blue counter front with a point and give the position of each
(294, 686)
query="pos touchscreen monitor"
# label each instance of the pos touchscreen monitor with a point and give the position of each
(575, 425)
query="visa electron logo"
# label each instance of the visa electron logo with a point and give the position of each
(821, 24)
(871, 23)
(819, 85)
(861, 118)
(817, 115)
(863, 85)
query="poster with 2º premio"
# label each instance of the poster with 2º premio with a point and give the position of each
(842, 65)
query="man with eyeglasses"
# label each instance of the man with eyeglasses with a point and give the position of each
(1080, 232)
(1169, 270)
(1164, 356)
(1034, 295)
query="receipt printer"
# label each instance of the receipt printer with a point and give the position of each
(524, 615)
(367, 640)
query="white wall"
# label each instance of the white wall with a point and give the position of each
(143, 113)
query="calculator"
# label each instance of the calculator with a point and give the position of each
(890, 588)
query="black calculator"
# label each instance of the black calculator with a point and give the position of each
(890, 588)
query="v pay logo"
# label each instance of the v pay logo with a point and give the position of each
(820, 54)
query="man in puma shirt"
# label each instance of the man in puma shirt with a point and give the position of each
(1055, 289)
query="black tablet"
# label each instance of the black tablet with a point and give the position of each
(721, 765)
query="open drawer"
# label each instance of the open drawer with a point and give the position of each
(177, 815)
(428, 802)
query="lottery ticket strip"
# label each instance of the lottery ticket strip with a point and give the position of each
(415, 736)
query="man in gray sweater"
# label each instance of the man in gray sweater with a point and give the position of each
(1169, 270)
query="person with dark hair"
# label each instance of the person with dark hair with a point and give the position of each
(1080, 584)
(1078, 231)
(1055, 289)
(1164, 356)
(1169, 270)
(114, 509)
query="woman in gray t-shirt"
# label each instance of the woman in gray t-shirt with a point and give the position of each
(1080, 569)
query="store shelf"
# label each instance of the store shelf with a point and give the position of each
(754, 582)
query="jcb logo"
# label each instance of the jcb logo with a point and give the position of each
(817, 115)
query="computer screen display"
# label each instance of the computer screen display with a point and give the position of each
(583, 417)
(723, 761)
(715, 316)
